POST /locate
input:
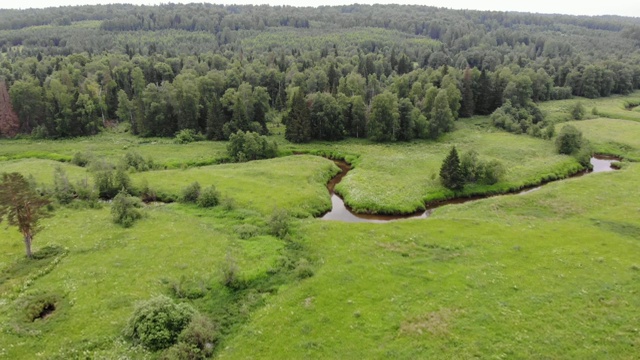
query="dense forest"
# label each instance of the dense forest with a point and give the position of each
(385, 72)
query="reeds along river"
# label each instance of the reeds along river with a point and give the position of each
(340, 212)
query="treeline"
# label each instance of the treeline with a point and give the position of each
(253, 66)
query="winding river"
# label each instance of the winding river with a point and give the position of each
(340, 212)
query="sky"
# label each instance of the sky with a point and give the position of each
(573, 7)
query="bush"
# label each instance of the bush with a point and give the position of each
(147, 194)
(85, 191)
(231, 273)
(303, 269)
(134, 160)
(186, 136)
(247, 231)
(245, 146)
(201, 335)
(209, 197)
(569, 140)
(62, 189)
(81, 159)
(109, 182)
(191, 193)
(125, 209)
(279, 223)
(157, 323)
(578, 111)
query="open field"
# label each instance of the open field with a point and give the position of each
(553, 272)
(623, 107)
(611, 136)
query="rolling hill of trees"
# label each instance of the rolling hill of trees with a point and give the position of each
(386, 72)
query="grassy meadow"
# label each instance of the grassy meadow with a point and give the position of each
(553, 273)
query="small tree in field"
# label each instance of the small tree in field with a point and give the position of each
(22, 206)
(450, 172)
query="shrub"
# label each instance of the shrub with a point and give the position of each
(147, 194)
(209, 197)
(81, 159)
(303, 269)
(200, 335)
(186, 136)
(134, 160)
(279, 223)
(247, 231)
(245, 146)
(191, 193)
(62, 189)
(491, 172)
(125, 209)
(230, 273)
(85, 191)
(569, 140)
(109, 182)
(157, 323)
(578, 111)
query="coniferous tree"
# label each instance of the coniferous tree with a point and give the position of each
(468, 106)
(450, 173)
(298, 120)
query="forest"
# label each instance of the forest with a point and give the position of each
(388, 73)
(365, 181)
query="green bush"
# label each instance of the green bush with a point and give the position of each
(246, 231)
(108, 181)
(198, 338)
(191, 193)
(133, 160)
(245, 146)
(125, 209)
(209, 197)
(569, 140)
(578, 111)
(157, 323)
(81, 159)
(186, 136)
(63, 190)
(279, 223)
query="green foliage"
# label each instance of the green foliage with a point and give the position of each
(450, 172)
(475, 170)
(384, 119)
(246, 146)
(578, 111)
(209, 197)
(442, 119)
(135, 161)
(109, 181)
(63, 190)
(191, 193)
(298, 119)
(520, 119)
(22, 206)
(569, 140)
(279, 223)
(157, 323)
(81, 159)
(125, 209)
(186, 136)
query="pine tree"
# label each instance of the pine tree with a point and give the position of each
(450, 172)
(298, 120)
(468, 106)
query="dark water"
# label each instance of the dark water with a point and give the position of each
(340, 212)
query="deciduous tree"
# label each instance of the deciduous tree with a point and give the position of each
(22, 207)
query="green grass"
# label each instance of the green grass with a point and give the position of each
(614, 107)
(401, 177)
(42, 170)
(611, 136)
(296, 183)
(112, 146)
(553, 273)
